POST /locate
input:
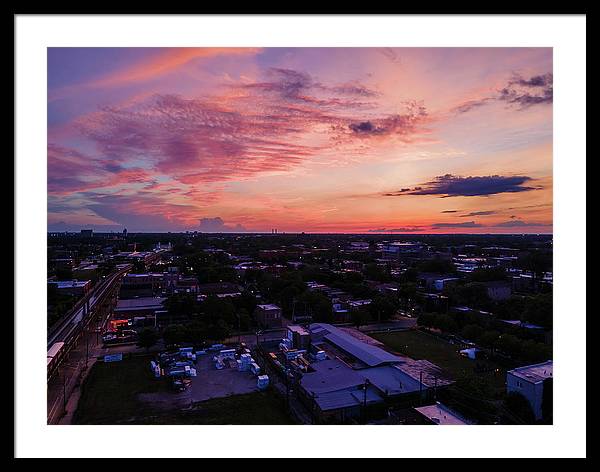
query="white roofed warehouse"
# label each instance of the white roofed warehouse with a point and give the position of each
(358, 376)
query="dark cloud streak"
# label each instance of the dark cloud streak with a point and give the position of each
(456, 186)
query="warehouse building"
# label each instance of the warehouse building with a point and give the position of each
(357, 376)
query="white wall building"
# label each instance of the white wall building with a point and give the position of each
(529, 382)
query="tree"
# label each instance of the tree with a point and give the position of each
(520, 407)
(538, 310)
(359, 317)
(147, 338)
(509, 344)
(375, 272)
(426, 319)
(473, 294)
(489, 339)
(472, 332)
(409, 275)
(488, 274)
(64, 273)
(383, 307)
(174, 334)
(218, 331)
(180, 304)
(445, 323)
(320, 306)
(438, 265)
(407, 292)
(537, 262)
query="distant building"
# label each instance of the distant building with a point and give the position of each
(147, 284)
(63, 262)
(146, 306)
(441, 284)
(88, 233)
(76, 288)
(358, 246)
(219, 289)
(355, 266)
(146, 258)
(268, 316)
(527, 282)
(85, 270)
(498, 290)
(163, 247)
(401, 250)
(531, 381)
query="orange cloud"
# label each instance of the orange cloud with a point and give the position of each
(164, 63)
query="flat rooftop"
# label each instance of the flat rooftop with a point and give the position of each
(69, 283)
(269, 306)
(441, 414)
(366, 353)
(140, 303)
(535, 373)
(298, 329)
(149, 274)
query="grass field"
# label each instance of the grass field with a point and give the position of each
(419, 345)
(109, 396)
(262, 408)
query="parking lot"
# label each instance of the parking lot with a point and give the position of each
(213, 383)
(208, 383)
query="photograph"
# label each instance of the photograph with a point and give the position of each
(300, 235)
(312, 241)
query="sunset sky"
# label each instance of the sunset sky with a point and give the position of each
(400, 140)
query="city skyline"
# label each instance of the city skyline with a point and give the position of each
(323, 140)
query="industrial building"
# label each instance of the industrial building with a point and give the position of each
(347, 375)
(534, 382)
(268, 316)
(146, 306)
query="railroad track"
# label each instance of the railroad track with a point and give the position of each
(63, 331)
(66, 333)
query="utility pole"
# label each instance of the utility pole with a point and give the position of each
(287, 384)
(64, 391)
(366, 386)
(258, 333)
(87, 345)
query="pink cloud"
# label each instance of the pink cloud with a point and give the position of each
(259, 128)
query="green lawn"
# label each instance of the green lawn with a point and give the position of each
(109, 396)
(420, 345)
(262, 408)
(109, 393)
